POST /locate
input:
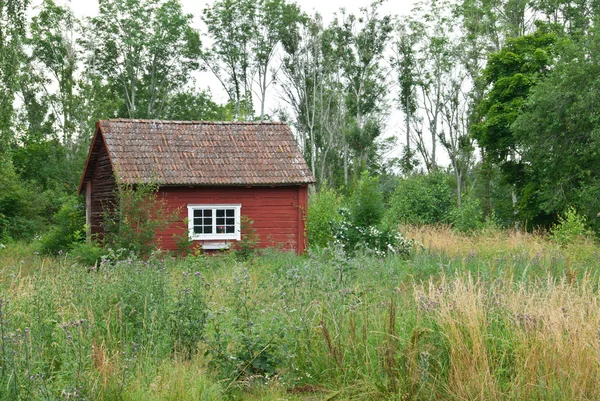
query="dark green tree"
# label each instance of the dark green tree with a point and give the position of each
(511, 73)
(559, 137)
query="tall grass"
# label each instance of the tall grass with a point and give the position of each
(503, 315)
(536, 340)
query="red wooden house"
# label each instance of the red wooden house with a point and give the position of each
(213, 173)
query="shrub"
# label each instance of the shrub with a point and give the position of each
(468, 217)
(68, 228)
(87, 253)
(420, 200)
(366, 203)
(381, 239)
(22, 210)
(323, 217)
(139, 214)
(244, 249)
(571, 227)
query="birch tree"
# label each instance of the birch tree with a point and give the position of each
(144, 49)
(53, 63)
(12, 33)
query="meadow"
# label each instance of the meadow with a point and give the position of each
(501, 315)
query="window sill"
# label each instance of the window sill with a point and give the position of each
(215, 246)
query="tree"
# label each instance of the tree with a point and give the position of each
(199, 106)
(54, 60)
(309, 88)
(247, 36)
(557, 132)
(12, 33)
(231, 27)
(511, 73)
(360, 41)
(404, 61)
(454, 136)
(431, 29)
(277, 22)
(144, 51)
(336, 85)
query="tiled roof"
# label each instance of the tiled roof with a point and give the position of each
(204, 153)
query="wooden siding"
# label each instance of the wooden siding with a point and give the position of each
(103, 190)
(279, 213)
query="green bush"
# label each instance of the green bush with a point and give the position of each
(366, 203)
(323, 217)
(88, 253)
(357, 224)
(139, 214)
(68, 228)
(380, 239)
(245, 248)
(22, 210)
(570, 228)
(421, 199)
(467, 218)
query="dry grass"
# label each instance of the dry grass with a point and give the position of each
(511, 342)
(444, 239)
(494, 242)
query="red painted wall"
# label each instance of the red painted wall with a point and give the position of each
(279, 213)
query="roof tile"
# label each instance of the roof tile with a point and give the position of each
(204, 153)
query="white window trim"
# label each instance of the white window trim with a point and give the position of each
(236, 235)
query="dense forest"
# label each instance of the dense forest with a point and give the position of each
(499, 99)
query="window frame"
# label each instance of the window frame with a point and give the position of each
(236, 235)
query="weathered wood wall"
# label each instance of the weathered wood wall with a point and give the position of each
(103, 191)
(279, 213)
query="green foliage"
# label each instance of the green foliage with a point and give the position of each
(571, 227)
(88, 253)
(512, 72)
(323, 217)
(185, 245)
(138, 216)
(559, 133)
(245, 35)
(359, 226)
(22, 209)
(147, 57)
(421, 199)
(366, 202)
(189, 314)
(380, 239)
(67, 229)
(247, 245)
(468, 218)
(12, 33)
(199, 106)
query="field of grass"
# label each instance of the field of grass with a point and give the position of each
(500, 316)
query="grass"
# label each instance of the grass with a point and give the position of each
(501, 315)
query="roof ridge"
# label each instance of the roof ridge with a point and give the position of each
(192, 122)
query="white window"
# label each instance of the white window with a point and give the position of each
(214, 222)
